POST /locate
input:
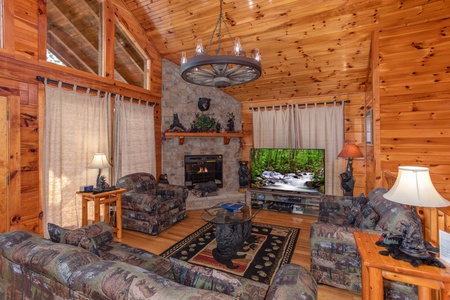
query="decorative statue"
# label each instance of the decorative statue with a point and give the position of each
(348, 182)
(230, 122)
(101, 183)
(176, 124)
(243, 174)
(347, 179)
(163, 178)
(204, 103)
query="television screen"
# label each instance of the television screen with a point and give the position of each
(296, 170)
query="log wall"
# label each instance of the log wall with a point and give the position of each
(408, 90)
(22, 58)
(414, 95)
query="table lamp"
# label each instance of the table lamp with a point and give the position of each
(413, 187)
(349, 151)
(99, 162)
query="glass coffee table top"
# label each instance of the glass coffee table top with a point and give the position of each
(219, 215)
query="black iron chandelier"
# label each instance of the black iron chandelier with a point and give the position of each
(221, 70)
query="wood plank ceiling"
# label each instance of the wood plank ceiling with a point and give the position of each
(308, 47)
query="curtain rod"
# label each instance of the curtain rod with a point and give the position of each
(301, 104)
(42, 79)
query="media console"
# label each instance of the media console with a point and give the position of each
(285, 201)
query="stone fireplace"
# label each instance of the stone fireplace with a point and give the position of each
(203, 168)
(179, 97)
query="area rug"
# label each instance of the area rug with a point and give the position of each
(273, 247)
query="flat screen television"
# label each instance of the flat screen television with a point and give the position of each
(293, 170)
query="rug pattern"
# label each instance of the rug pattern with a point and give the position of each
(274, 246)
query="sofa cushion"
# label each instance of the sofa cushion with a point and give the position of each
(377, 201)
(138, 183)
(398, 220)
(367, 218)
(88, 237)
(357, 203)
(55, 261)
(205, 278)
(394, 217)
(117, 251)
(116, 280)
(334, 210)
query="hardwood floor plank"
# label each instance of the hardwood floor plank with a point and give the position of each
(301, 256)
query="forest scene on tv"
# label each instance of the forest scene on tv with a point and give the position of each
(298, 170)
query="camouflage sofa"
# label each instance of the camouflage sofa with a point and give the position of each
(87, 264)
(149, 207)
(335, 260)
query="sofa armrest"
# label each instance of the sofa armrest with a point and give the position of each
(292, 282)
(338, 233)
(171, 191)
(52, 260)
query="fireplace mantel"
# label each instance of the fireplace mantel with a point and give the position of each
(181, 135)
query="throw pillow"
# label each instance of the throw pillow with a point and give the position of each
(357, 203)
(367, 218)
(397, 220)
(205, 278)
(88, 237)
(376, 191)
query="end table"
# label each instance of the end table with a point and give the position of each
(105, 198)
(375, 267)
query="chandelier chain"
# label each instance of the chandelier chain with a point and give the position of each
(219, 24)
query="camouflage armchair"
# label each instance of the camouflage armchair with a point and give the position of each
(149, 207)
(335, 259)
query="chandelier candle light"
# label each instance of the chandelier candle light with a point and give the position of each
(218, 70)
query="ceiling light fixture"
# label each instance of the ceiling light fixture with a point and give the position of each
(220, 70)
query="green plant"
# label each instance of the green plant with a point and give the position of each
(205, 123)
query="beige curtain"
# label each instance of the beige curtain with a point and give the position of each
(75, 127)
(322, 127)
(134, 138)
(273, 128)
(310, 127)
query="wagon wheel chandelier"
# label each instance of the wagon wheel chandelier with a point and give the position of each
(220, 71)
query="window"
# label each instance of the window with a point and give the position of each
(52, 58)
(73, 30)
(130, 63)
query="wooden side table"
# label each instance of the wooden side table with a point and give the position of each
(375, 267)
(105, 198)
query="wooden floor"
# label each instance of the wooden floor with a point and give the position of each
(178, 231)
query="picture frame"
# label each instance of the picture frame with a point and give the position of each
(368, 125)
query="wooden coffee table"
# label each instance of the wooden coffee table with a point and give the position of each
(233, 231)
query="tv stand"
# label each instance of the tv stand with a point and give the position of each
(285, 201)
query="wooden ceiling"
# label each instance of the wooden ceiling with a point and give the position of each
(308, 47)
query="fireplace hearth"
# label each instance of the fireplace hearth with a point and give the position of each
(203, 168)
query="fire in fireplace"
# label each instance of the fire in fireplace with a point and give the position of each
(203, 168)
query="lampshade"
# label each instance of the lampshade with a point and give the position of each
(99, 161)
(350, 150)
(414, 187)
